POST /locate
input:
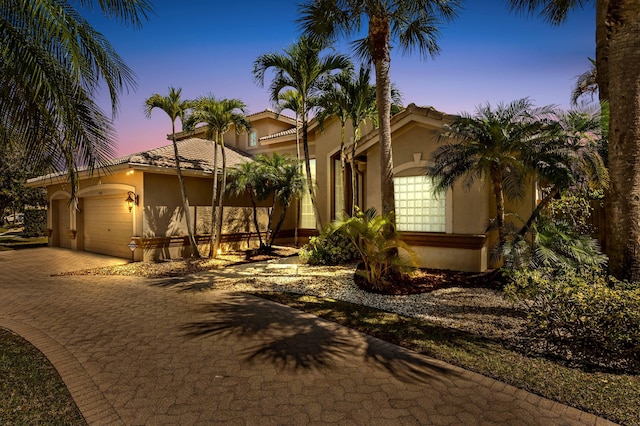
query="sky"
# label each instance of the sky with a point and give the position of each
(487, 54)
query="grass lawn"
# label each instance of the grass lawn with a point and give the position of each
(14, 242)
(32, 391)
(613, 396)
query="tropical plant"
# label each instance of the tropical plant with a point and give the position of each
(494, 145)
(569, 159)
(288, 184)
(585, 84)
(52, 64)
(249, 178)
(302, 68)
(175, 108)
(278, 177)
(218, 115)
(412, 24)
(617, 76)
(329, 248)
(378, 252)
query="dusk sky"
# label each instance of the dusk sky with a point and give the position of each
(487, 55)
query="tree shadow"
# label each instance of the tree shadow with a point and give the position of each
(292, 340)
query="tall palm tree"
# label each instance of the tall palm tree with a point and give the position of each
(491, 145)
(218, 115)
(175, 108)
(334, 102)
(52, 62)
(412, 24)
(617, 75)
(300, 67)
(291, 100)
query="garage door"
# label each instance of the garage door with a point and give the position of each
(63, 224)
(108, 225)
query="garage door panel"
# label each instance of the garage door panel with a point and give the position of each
(108, 225)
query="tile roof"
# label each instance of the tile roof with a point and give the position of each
(291, 131)
(195, 154)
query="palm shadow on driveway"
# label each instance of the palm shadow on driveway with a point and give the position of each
(294, 340)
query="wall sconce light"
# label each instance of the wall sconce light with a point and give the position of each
(132, 198)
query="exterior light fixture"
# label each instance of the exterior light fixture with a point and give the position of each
(132, 198)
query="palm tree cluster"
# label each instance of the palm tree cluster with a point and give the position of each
(277, 177)
(617, 73)
(511, 144)
(52, 62)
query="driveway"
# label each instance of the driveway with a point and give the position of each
(136, 353)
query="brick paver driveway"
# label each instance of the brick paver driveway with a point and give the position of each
(136, 353)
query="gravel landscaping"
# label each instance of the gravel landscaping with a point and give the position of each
(481, 311)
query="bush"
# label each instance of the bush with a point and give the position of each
(329, 248)
(581, 315)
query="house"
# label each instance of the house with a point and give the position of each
(446, 231)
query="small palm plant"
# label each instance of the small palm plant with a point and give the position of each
(366, 231)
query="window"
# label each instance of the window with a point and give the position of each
(253, 138)
(418, 209)
(307, 216)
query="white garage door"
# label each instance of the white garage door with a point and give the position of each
(108, 225)
(63, 224)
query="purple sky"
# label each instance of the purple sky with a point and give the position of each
(202, 46)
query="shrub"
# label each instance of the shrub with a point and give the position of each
(582, 315)
(329, 248)
(380, 253)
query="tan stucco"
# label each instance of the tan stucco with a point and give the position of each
(159, 213)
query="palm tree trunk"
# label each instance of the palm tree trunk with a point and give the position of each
(283, 214)
(312, 191)
(496, 179)
(537, 212)
(255, 215)
(212, 251)
(379, 34)
(223, 188)
(354, 175)
(343, 171)
(623, 231)
(273, 209)
(183, 193)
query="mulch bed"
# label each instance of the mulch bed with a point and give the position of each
(426, 280)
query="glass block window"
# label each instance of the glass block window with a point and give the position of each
(307, 217)
(417, 208)
(253, 138)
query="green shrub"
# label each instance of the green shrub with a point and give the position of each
(581, 315)
(329, 248)
(383, 256)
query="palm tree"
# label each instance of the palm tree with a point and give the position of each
(334, 101)
(300, 67)
(291, 100)
(413, 24)
(491, 145)
(218, 115)
(52, 63)
(586, 83)
(617, 76)
(250, 178)
(175, 108)
(568, 160)
(287, 183)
